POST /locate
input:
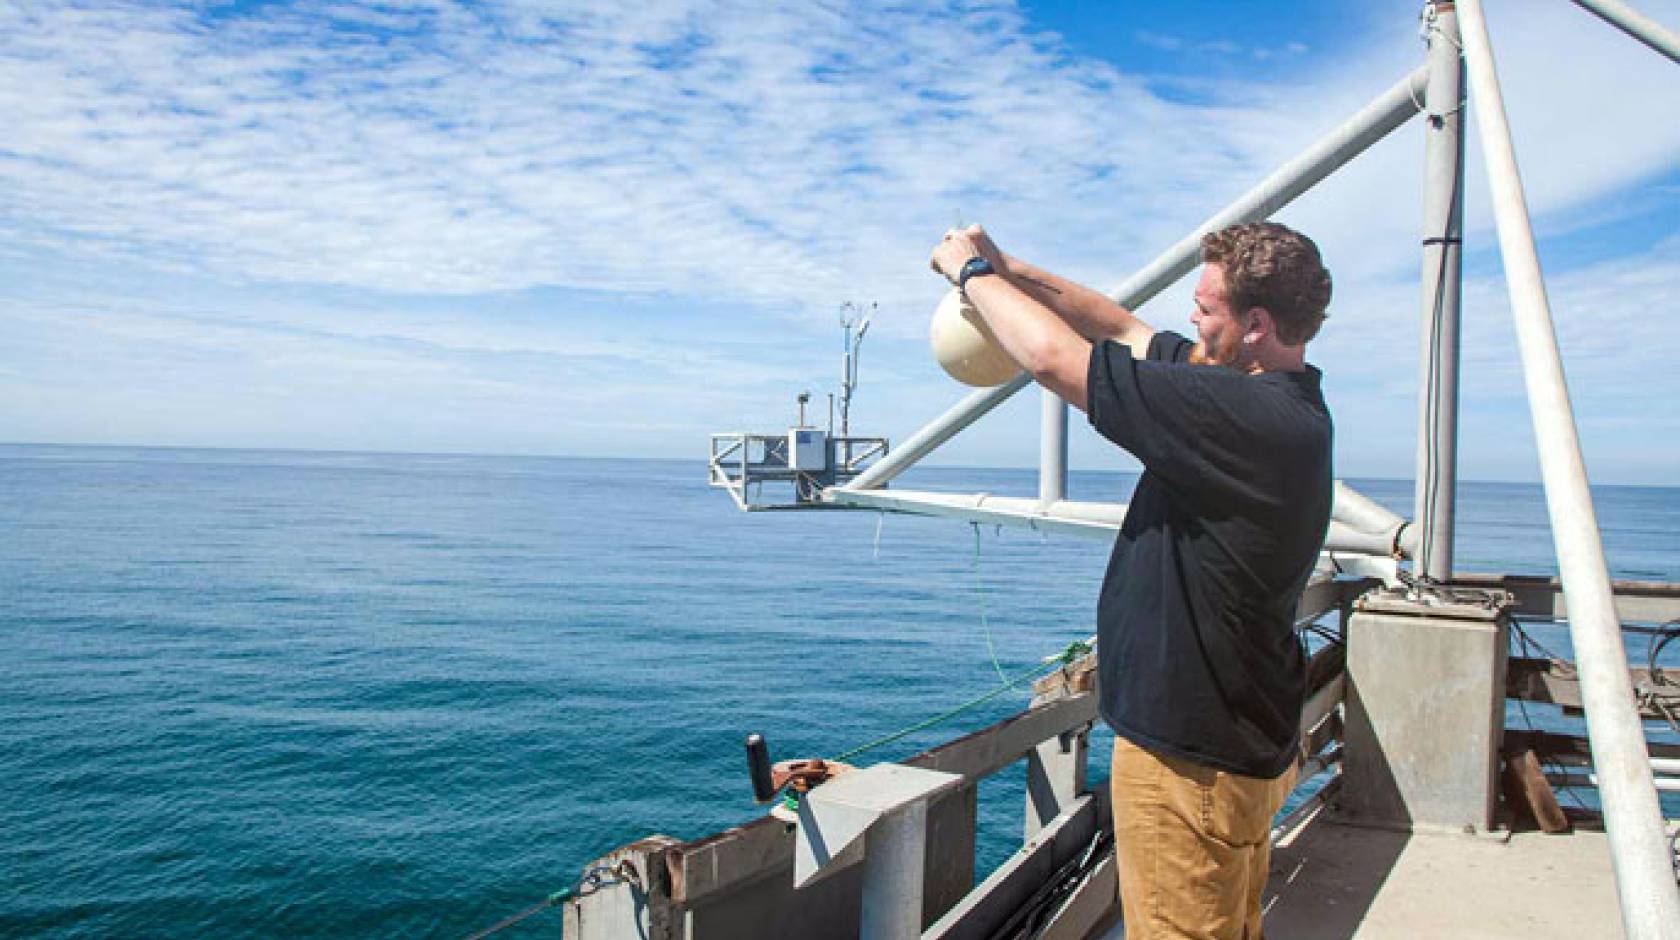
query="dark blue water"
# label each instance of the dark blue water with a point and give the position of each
(264, 693)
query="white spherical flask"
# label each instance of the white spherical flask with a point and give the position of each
(965, 346)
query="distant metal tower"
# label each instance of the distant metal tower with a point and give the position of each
(849, 318)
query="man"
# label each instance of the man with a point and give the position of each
(1202, 676)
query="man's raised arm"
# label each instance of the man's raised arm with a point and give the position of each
(1090, 313)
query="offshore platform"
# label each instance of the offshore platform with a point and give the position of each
(805, 461)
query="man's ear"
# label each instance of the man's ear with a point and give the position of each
(1258, 325)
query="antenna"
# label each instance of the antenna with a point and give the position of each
(810, 459)
(849, 318)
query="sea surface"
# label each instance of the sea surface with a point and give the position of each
(260, 693)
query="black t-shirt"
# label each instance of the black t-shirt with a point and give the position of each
(1198, 655)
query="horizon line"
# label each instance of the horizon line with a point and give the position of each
(580, 456)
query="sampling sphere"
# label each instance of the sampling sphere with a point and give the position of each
(965, 346)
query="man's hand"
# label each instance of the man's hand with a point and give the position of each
(984, 246)
(955, 249)
(1028, 329)
(1093, 316)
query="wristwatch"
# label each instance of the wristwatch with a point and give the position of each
(976, 266)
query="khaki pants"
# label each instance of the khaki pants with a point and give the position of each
(1193, 845)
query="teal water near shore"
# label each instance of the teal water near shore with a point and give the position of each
(253, 693)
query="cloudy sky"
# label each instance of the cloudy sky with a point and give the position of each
(607, 228)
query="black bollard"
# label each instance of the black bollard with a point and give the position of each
(758, 767)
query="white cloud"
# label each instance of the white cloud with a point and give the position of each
(757, 151)
(414, 167)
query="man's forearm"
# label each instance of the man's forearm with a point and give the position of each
(1034, 336)
(1091, 314)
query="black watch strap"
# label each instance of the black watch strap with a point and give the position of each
(976, 266)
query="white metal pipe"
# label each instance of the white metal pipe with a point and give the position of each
(1371, 124)
(1636, 24)
(1633, 819)
(1662, 784)
(1342, 538)
(1361, 511)
(1065, 517)
(1053, 449)
(1322, 704)
(972, 408)
(894, 851)
(1436, 488)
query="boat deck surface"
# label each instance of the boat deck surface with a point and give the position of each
(1335, 881)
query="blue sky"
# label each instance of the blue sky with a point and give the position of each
(606, 228)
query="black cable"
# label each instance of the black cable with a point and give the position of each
(1663, 635)
(1432, 375)
(1546, 763)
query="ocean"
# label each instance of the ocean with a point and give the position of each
(261, 693)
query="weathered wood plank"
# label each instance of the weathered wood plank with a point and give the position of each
(734, 856)
(1572, 750)
(1533, 679)
(989, 750)
(1077, 676)
(727, 861)
(992, 902)
(1090, 905)
(744, 853)
(1330, 729)
(767, 907)
(639, 907)
(1641, 601)
(1321, 596)
(1326, 664)
(1056, 775)
(1322, 703)
(1526, 788)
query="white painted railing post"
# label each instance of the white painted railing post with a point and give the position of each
(881, 813)
(1053, 449)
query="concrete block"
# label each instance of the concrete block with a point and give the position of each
(1425, 715)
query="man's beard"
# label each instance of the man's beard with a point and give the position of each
(1214, 353)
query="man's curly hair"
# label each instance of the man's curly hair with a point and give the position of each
(1272, 266)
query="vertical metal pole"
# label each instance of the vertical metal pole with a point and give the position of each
(846, 386)
(1443, 215)
(1053, 449)
(894, 855)
(1633, 819)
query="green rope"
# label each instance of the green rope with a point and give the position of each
(1073, 651)
(980, 592)
(557, 898)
